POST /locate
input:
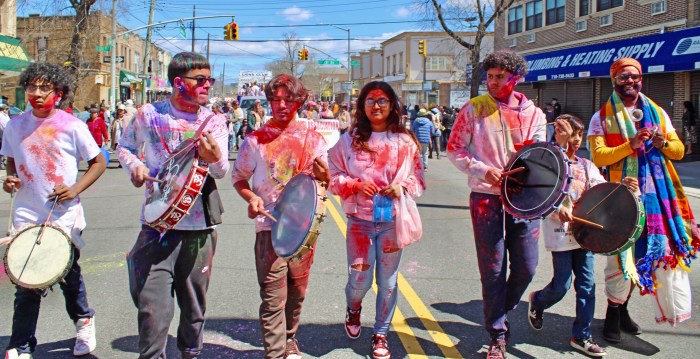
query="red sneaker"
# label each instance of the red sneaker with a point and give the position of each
(352, 323)
(380, 348)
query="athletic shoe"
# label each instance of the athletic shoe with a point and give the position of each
(13, 354)
(380, 348)
(291, 350)
(85, 341)
(352, 323)
(497, 349)
(588, 346)
(534, 316)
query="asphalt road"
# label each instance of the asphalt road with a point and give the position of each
(439, 312)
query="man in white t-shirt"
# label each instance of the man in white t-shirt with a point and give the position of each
(44, 147)
(178, 260)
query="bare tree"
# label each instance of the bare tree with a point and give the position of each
(468, 12)
(307, 71)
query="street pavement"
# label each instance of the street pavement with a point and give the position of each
(439, 311)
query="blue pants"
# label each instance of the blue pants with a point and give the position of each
(28, 301)
(580, 262)
(371, 251)
(424, 153)
(500, 238)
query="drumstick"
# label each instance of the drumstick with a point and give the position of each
(513, 171)
(603, 200)
(152, 179)
(268, 215)
(586, 222)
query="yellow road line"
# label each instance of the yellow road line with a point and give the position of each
(441, 339)
(401, 327)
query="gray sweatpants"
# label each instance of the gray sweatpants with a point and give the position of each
(179, 265)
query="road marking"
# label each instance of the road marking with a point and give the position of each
(401, 327)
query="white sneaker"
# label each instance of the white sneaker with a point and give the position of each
(12, 354)
(85, 341)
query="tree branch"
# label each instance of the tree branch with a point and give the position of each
(448, 31)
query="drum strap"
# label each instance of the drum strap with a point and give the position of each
(197, 133)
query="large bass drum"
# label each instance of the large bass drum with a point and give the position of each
(536, 191)
(299, 212)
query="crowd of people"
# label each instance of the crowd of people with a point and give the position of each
(377, 168)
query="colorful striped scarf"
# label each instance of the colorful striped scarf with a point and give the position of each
(671, 238)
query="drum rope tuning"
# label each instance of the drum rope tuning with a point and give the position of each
(38, 239)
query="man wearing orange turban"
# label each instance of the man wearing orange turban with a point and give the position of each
(633, 136)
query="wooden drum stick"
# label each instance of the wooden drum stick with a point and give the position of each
(588, 223)
(513, 171)
(268, 215)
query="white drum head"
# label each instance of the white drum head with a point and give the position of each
(37, 266)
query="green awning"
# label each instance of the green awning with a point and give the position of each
(126, 78)
(13, 58)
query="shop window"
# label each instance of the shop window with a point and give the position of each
(515, 20)
(556, 11)
(533, 13)
(602, 5)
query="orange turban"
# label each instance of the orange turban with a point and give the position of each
(623, 62)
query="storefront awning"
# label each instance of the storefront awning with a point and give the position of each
(667, 52)
(13, 58)
(126, 78)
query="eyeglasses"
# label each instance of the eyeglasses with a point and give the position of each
(382, 102)
(201, 80)
(625, 77)
(42, 89)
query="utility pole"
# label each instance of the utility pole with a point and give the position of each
(194, 15)
(208, 44)
(425, 93)
(223, 76)
(113, 60)
(147, 52)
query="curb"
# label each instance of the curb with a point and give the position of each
(692, 192)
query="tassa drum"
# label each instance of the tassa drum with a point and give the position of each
(38, 264)
(299, 212)
(543, 184)
(618, 210)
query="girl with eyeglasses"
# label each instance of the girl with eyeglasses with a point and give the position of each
(374, 164)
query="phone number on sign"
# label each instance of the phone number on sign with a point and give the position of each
(563, 76)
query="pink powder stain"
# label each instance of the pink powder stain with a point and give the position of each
(27, 175)
(47, 158)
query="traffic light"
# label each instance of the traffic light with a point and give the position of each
(301, 55)
(421, 48)
(234, 31)
(306, 54)
(228, 35)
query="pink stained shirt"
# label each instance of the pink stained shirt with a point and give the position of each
(349, 167)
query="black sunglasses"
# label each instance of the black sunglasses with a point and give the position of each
(201, 80)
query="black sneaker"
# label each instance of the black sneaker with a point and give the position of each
(534, 316)
(588, 347)
(497, 349)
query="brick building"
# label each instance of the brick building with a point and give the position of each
(398, 63)
(48, 38)
(570, 45)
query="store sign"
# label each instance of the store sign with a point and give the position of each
(668, 52)
(250, 76)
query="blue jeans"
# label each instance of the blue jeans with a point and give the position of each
(580, 262)
(500, 238)
(424, 153)
(28, 301)
(371, 248)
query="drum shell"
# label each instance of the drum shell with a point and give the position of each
(63, 241)
(319, 213)
(622, 229)
(539, 205)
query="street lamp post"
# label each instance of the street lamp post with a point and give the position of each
(349, 88)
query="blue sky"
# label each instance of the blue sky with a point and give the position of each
(391, 17)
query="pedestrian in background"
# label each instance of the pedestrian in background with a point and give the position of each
(423, 129)
(378, 160)
(344, 118)
(689, 134)
(437, 134)
(97, 127)
(4, 119)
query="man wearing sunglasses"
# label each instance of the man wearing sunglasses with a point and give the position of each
(180, 260)
(633, 136)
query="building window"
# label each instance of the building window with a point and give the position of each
(606, 20)
(513, 42)
(607, 4)
(393, 65)
(581, 25)
(400, 62)
(584, 7)
(436, 63)
(658, 7)
(515, 20)
(530, 38)
(388, 62)
(533, 13)
(556, 10)
(41, 47)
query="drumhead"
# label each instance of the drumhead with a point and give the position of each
(295, 211)
(542, 186)
(620, 215)
(162, 196)
(41, 265)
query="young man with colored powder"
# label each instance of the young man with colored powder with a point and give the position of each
(488, 131)
(281, 149)
(43, 148)
(178, 261)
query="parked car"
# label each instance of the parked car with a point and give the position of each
(247, 101)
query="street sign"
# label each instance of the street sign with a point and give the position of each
(354, 63)
(102, 48)
(118, 59)
(144, 76)
(427, 86)
(329, 62)
(346, 86)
